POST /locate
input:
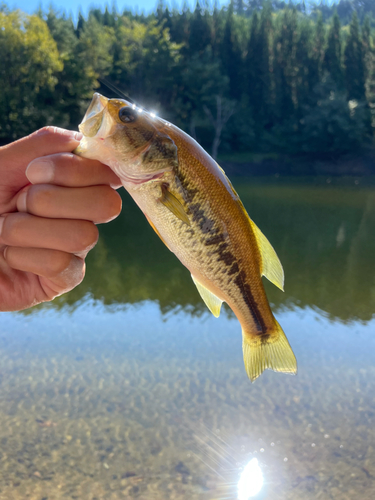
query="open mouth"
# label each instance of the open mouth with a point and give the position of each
(93, 118)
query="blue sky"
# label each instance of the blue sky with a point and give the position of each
(73, 5)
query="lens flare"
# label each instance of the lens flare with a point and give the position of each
(251, 480)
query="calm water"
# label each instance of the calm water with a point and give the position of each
(128, 388)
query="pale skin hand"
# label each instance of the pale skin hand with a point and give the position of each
(50, 203)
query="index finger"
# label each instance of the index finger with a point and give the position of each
(46, 141)
(70, 170)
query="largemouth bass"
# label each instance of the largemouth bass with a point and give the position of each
(193, 207)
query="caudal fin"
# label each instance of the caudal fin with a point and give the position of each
(274, 353)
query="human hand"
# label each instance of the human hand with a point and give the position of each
(50, 201)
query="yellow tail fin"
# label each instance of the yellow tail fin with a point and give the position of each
(274, 353)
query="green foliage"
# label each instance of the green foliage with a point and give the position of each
(255, 76)
(29, 65)
(85, 57)
(145, 61)
(333, 123)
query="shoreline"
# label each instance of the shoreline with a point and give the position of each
(359, 164)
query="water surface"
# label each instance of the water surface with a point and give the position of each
(128, 388)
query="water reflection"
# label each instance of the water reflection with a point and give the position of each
(323, 235)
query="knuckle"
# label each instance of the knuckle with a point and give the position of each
(14, 225)
(53, 133)
(65, 168)
(80, 270)
(111, 203)
(56, 263)
(48, 130)
(39, 197)
(87, 237)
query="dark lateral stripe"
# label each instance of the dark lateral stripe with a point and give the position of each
(233, 270)
(227, 257)
(188, 192)
(251, 303)
(215, 240)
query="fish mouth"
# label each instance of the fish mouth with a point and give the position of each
(94, 118)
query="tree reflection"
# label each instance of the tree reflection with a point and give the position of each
(324, 236)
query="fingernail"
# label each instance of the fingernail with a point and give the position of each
(40, 171)
(2, 219)
(21, 202)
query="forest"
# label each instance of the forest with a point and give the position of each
(255, 76)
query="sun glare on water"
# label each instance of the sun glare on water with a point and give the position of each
(251, 480)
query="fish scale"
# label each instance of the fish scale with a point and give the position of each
(191, 204)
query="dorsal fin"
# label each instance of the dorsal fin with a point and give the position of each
(212, 302)
(271, 266)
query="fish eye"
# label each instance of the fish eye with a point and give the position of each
(127, 114)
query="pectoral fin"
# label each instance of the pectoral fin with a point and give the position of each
(172, 203)
(212, 302)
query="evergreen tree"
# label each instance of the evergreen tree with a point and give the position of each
(180, 26)
(217, 26)
(252, 61)
(108, 18)
(370, 81)
(317, 50)
(258, 75)
(200, 32)
(306, 66)
(285, 67)
(354, 63)
(231, 56)
(332, 57)
(366, 43)
(239, 7)
(80, 24)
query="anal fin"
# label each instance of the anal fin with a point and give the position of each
(212, 302)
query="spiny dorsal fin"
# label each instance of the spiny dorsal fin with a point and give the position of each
(271, 265)
(172, 203)
(212, 302)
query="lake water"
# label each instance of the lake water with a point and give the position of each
(128, 388)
